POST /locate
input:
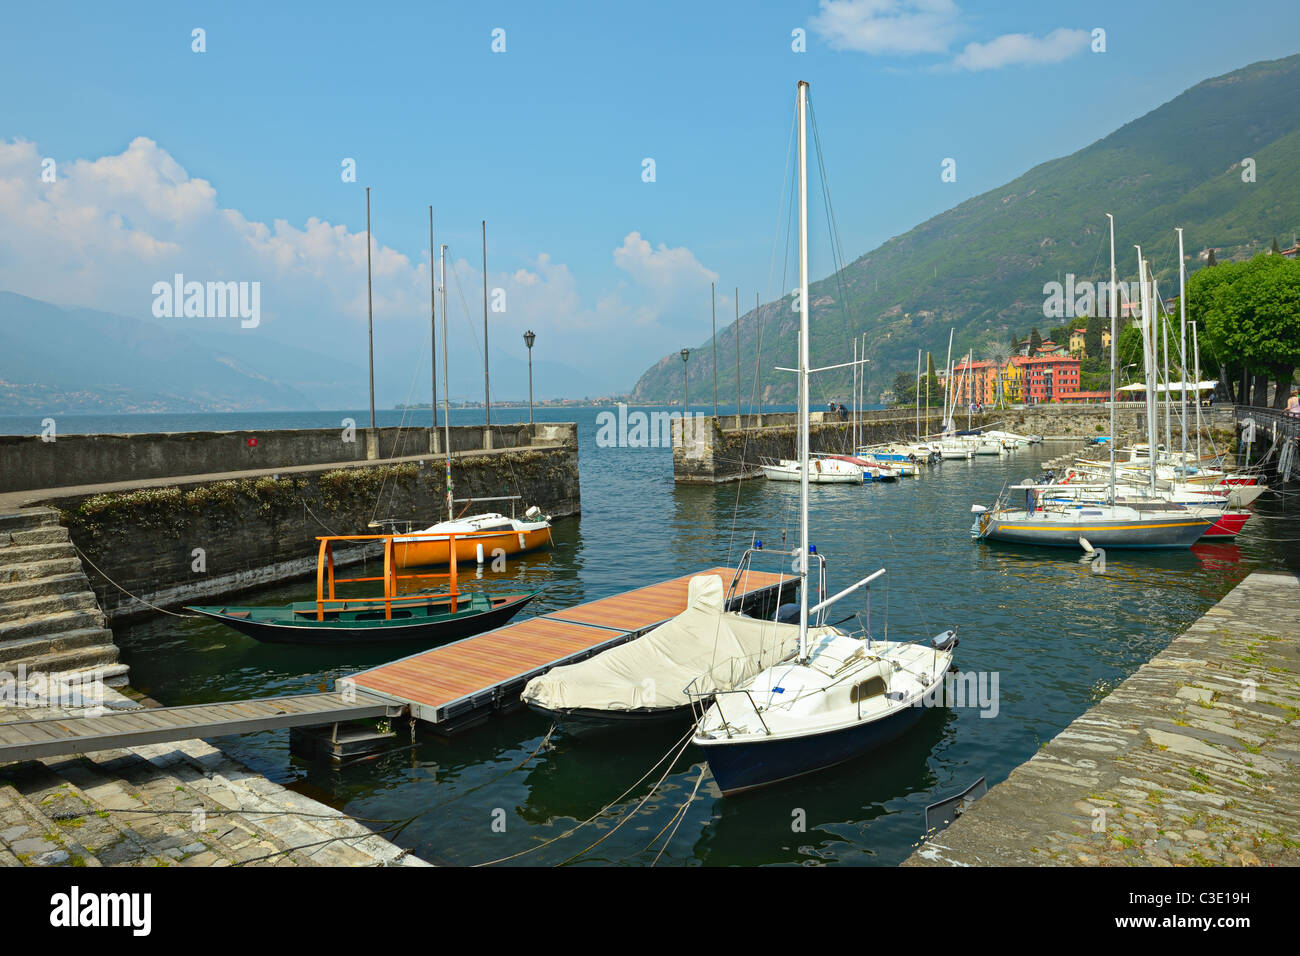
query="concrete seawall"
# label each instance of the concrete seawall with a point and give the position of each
(35, 461)
(189, 537)
(1194, 759)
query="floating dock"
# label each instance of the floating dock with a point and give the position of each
(461, 683)
(451, 686)
(56, 736)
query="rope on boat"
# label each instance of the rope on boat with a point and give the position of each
(679, 816)
(683, 742)
(124, 590)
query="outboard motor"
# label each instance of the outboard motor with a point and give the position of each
(945, 641)
(787, 614)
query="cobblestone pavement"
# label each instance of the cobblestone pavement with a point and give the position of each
(173, 804)
(1193, 760)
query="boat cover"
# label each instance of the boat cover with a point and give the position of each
(652, 672)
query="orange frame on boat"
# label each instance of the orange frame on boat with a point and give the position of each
(325, 579)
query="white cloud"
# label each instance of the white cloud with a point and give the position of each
(912, 27)
(1016, 49)
(107, 229)
(888, 26)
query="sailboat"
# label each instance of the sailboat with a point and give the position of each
(840, 695)
(1151, 523)
(477, 537)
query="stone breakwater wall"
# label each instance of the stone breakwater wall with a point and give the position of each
(187, 542)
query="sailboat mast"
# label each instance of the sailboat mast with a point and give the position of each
(803, 371)
(1112, 304)
(1149, 366)
(918, 395)
(433, 325)
(446, 394)
(1196, 357)
(370, 315)
(1182, 339)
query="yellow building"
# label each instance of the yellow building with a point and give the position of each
(1077, 337)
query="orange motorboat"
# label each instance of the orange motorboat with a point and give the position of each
(478, 539)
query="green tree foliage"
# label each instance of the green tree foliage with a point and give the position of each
(1250, 312)
(1092, 333)
(1035, 340)
(1211, 261)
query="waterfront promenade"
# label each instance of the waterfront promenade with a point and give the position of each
(1193, 760)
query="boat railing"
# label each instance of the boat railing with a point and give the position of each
(700, 698)
(739, 584)
(326, 579)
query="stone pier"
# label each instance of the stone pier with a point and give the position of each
(1193, 760)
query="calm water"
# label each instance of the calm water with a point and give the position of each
(1057, 635)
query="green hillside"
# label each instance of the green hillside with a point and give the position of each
(980, 267)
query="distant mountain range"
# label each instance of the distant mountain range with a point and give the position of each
(981, 266)
(71, 360)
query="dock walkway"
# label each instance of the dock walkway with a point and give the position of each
(55, 736)
(457, 682)
(1194, 759)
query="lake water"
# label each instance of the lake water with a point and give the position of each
(1056, 634)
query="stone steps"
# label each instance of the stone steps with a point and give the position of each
(27, 518)
(43, 586)
(171, 804)
(45, 604)
(31, 648)
(34, 570)
(50, 619)
(14, 554)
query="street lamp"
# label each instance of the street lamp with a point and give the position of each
(686, 353)
(529, 338)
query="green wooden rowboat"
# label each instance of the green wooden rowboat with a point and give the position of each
(431, 618)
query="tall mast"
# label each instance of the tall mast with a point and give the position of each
(1149, 363)
(433, 323)
(1182, 339)
(487, 395)
(758, 352)
(918, 395)
(1112, 304)
(713, 305)
(803, 372)
(1164, 335)
(948, 390)
(446, 395)
(737, 358)
(1196, 357)
(370, 315)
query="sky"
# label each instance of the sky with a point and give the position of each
(623, 156)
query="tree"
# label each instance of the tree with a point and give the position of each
(1015, 343)
(1211, 261)
(1251, 315)
(1035, 340)
(1092, 333)
(1275, 250)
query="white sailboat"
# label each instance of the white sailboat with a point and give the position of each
(840, 695)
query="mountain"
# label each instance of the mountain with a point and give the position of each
(71, 360)
(980, 267)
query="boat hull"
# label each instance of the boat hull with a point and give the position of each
(1104, 533)
(740, 765)
(584, 721)
(434, 630)
(434, 552)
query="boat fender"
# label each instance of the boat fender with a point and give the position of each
(945, 641)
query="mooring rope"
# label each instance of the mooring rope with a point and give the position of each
(124, 590)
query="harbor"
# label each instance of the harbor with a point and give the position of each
(971, 547)
(857, 813)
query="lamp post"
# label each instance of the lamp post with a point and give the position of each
(686, 353)
(529, 338)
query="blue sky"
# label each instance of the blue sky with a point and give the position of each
(545, 141)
